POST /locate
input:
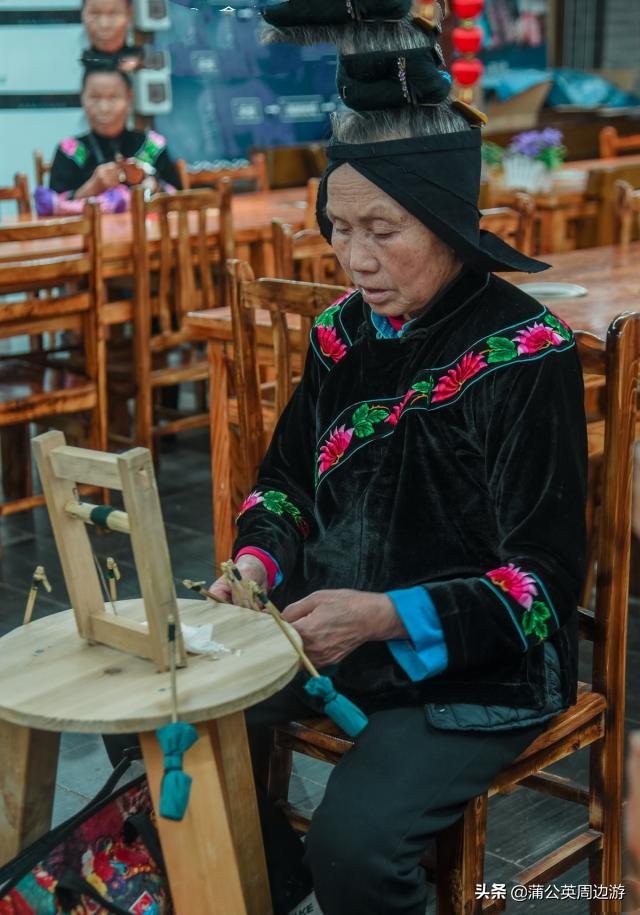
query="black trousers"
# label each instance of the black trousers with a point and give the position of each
(403, 782)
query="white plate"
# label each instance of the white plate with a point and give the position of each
(545, 291)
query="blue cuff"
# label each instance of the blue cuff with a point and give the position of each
(424, 653)
(278, 578)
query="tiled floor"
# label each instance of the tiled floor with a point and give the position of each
(521, 826)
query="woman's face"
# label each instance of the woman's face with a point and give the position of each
(397, 263)
(106, 99)
(107, 23)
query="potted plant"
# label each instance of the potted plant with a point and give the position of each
(531, 159)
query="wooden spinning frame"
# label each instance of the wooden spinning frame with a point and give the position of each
(62, 468)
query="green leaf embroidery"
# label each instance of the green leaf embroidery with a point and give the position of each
(326, 319)
(534, 620)
(364, 417)
(557, 325)
(378, 414)
(275, 501)
(424, 387)
(361, 415)
(501, 349)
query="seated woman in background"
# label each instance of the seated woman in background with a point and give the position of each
(110, 158)
(107, 23)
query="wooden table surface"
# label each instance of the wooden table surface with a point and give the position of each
(252, 215)
(52, 680)
(611, 275)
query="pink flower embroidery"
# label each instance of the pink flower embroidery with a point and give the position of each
(330, 344)
(396, 411)
(254, 498)
(538, 336)
(333, 449)
(450, 384)
(343, 297)
(69, 146)
(512, 580)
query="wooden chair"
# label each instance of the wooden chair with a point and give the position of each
(513, 223)
(310, 221)
(42, 167)
(595, 721)
(19, 192)
(292, 166)
(612, 144)
(47, 295)
(305, 256)
(165, 353)
(255, 172)
(627, 209)
(271, 321)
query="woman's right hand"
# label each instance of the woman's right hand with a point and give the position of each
(106, 176)
(251, 569)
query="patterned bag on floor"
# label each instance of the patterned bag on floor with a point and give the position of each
(105, 860)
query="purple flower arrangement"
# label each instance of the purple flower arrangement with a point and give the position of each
(541, 145)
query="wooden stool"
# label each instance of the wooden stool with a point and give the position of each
(53, 681)
(101, 668)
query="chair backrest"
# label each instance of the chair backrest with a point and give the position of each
(280, 314)
(59, 292)
(617, 362)
(304, 256)
(42, 167)
(612, 144)
(175, 260)
(513, 223)
(19, 192)
(627, 202)
(292, 166)
(255, 171)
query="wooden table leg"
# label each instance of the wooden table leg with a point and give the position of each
(220, 453)
(28, 763)
(214, 856)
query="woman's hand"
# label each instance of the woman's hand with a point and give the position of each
(334, 623)
(105, 176)
(251, 569)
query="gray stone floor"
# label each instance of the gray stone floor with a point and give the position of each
(522, 826)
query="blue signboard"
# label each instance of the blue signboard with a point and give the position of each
(231, 92)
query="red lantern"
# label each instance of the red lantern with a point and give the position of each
(467, 9)
(467, 40)
(467, 72)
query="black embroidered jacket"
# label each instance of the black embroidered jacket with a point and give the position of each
(453, 457)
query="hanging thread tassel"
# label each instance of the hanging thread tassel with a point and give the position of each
(175, 739)
(39, 577)
(343, 711)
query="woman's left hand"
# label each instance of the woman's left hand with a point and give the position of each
(334, 623)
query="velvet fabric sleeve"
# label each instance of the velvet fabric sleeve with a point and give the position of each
(530, 422)
(278, 514)
(65, 175)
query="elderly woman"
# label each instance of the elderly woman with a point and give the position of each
(420, 511)
(110, 155)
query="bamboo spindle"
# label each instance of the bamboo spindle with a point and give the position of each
(253, 591)
(113, 576)
(39, 577)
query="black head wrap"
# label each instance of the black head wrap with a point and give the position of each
(332, 12)
(437, 180)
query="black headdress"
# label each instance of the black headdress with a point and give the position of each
(437, 180)
(436, 177)
(296, 13)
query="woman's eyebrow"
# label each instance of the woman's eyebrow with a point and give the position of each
(367, 217)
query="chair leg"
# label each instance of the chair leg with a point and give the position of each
(605, 816)
(460, 861)
(16, 461)
(278, 771)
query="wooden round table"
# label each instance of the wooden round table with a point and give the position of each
(52, 681)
